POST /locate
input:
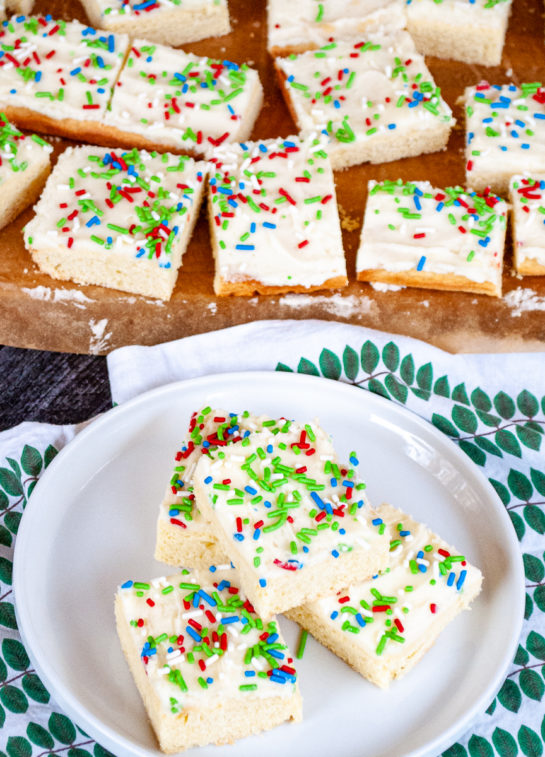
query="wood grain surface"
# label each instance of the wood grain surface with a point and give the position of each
(39, 312)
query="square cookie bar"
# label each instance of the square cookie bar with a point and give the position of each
(25, 163)
(184, 536)
(416, 235)
(56, 77)
(273, 218)
(505, 133)
(472, 31)
(375, 97)
(171, 22)
(527, 196)
(383, 626)
(171, 99)
(120, 220)
(208, 669)
(293, 521)
(305, 25)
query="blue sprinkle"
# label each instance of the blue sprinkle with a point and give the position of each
(376, 521)
(257, 534)
(249, 673)
(208, 680)
(348, 484)
(461, 579)
(276, 653)
(450, 579)
(127, 585)
(421, 263)
(207, 598)
(354, 460)
(173, 512)
(334, 553)
(391, 126)
(262, 582)
(238, 537)
(244, 247)
(360, 620)
(230, 619)
(334, 615)
(250, 490)
(270, 448)
(212, 569)
(208, 480)
(333, 481)
(194, 635)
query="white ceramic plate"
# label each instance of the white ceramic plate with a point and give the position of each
(90, 524)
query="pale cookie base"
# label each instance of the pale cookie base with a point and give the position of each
(20, 6)
(447, 282)
(497, 180)
(380, 148)
(187, 547)
(471, 44)
(296, 587)
(530, 267)
(234, 719)
(169, 27)
(14, 198)
(250, 287)
(371, 667)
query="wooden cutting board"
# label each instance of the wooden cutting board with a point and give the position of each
(40, 312)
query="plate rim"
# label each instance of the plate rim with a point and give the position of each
(111, 738)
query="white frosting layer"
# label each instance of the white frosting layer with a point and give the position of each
(416, 226)
(361, 91)
(185, 634)
(136, 205)
(275, 215)
(285, 502)
(460, 13)
(113, 9)
(505, 130)
(527, 196)
(312, 24)
(62, 70)
(390, 617)
(179, 99)
(19, 153)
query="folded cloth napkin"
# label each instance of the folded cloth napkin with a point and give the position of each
(492, 406)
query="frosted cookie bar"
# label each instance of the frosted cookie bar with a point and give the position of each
(505, 133)
(208, 669)
(25, 163)
(171, 22)
(120, 220)
(273, 218)
(305, 25)
(293, 521)
(184, 536)
(171, 99)
(527, 196)
(56, 76)
(416, 235)
(383, 626)
(472, 31)
(375, 97)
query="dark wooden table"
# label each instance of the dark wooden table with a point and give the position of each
(51, 387)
